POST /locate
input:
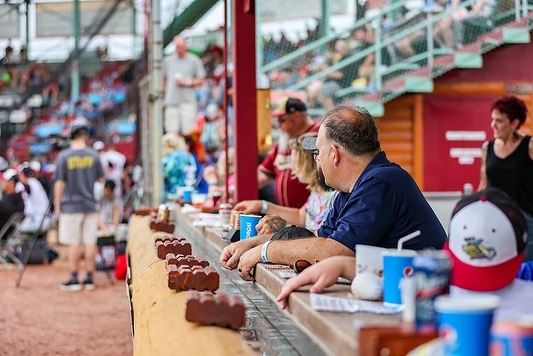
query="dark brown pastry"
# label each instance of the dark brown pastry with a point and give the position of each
(165, 226)
(145, 211)
(186, 260)
(207, 308)
(175, 245)
(196, 277)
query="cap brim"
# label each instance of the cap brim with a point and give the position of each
(483, 279)
(309, 143)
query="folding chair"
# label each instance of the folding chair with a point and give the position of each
(33, 242)
(10, 230)
(106, 256)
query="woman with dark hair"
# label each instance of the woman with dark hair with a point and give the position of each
(507, 161)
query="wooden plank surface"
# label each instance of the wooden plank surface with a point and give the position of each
(159, 312)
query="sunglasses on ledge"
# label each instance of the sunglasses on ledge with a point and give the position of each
(300, 265)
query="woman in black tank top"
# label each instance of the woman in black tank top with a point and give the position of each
(507, 161)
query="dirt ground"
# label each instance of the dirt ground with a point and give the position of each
(39, 319)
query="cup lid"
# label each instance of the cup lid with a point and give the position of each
(473, 302)
(396, 252)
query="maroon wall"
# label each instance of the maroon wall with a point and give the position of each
(455, 127)
(448, 164)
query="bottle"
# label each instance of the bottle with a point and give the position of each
(162, 212)
(224, 211)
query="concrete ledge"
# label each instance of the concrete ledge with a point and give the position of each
(337, 333)
(159, 312)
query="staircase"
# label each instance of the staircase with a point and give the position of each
(407, 53)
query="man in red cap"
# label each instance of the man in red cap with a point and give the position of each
(293, 121)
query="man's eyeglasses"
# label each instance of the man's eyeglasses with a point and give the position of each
(282, 119)
(315, 152)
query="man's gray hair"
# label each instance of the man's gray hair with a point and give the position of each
(353, 128)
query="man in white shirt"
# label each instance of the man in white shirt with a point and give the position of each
(35, 200)
(113, 163)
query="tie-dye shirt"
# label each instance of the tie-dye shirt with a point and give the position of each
(179, 170)
(317, 208)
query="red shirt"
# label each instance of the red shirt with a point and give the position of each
(289, 191)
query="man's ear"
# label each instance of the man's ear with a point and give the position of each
(336, 155)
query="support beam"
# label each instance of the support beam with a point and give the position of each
(75, 81)
(156, 93)
(245, 99)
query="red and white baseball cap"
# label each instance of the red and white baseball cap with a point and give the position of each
(487, 237)
(9, 174)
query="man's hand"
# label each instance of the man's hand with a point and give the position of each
(270, 224)
(54, 219)
(182, 82)
(231, 254)
(245, 207)
(320, 275)
(247, 263)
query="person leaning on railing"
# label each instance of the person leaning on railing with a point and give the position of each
(378, 202)
(315, 209)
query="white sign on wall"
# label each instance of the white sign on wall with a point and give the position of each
(466, 155)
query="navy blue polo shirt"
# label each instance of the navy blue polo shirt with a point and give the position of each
(384, 205)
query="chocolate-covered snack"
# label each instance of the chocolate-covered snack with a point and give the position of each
(196, 277)
(144, 211)
(207, 308)
(165, 226)
(170, 259)
(176, 246)
(186, 260)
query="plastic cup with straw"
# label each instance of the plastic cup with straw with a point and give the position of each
(397, 266)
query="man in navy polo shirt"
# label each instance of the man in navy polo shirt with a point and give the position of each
(378, 201)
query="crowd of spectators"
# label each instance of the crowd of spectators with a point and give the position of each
(453, 32)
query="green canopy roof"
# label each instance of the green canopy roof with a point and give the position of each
(187, 18)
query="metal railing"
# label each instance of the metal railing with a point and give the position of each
(421, 46)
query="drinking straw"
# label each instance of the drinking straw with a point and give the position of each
(412, 235)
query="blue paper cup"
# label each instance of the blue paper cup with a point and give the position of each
(396, 265)
(512, 337)
(464, 323)
(248, 223)
(186, 194)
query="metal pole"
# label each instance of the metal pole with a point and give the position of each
(244, 98)
(430, 40)
(134, 30)
(225, 102)
(324, 30)
(156, 48)
(75, 81)
(377, 60)
(27, 28)
(517, 8)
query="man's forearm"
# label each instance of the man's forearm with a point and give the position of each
(310, 249)
(59, 188)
